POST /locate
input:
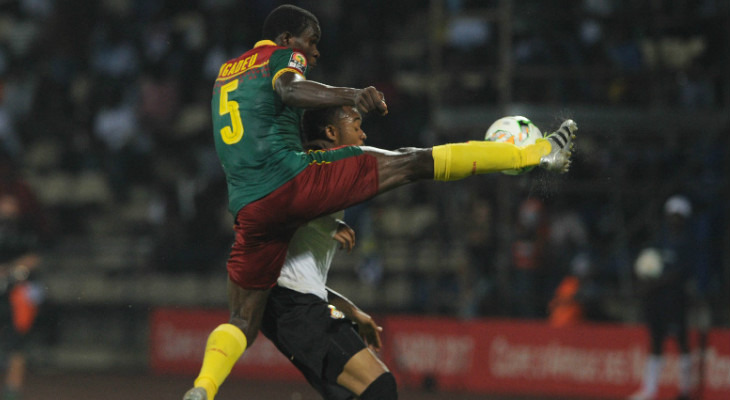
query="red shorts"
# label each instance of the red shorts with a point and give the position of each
(264, 228)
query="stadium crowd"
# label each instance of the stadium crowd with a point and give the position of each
(120, 90)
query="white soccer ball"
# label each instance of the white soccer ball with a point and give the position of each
(649, 264)
(514, 129)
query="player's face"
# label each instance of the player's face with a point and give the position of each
(349, 131)
(307, 43)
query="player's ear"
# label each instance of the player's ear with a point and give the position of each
(330, 131)
(284, 39)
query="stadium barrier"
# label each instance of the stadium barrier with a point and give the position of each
(480, 356)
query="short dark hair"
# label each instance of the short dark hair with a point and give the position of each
(288, 18)
(314, 122)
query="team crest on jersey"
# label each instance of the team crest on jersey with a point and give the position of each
(335, 313)
(298, 61)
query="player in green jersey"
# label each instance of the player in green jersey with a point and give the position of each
(274, 186)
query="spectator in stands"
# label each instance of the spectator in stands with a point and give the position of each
(528, 248)
(117, 127)
(12, 184)
(479, 280)
(578, 296)
(568, 238)
(19, 294)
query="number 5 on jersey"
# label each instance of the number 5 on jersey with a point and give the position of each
(230, 134)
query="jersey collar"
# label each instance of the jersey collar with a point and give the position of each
(264, 43)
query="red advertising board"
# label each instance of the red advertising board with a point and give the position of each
(716, 371)
(532, 358)
(177, 343)
(481, 356)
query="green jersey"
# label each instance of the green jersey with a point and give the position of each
(256, 134)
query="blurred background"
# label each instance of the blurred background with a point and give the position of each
(105, 137)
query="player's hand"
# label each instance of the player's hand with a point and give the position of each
(345, 236)
(369, 330)
(370, 99)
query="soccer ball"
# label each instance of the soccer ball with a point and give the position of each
(649, 264)
(517, 130)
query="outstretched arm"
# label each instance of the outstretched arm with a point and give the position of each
(369, 330)
(296, 91)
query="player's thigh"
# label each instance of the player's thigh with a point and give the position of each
(247, 308)
(360, 371)
(400, 167)
(333, 181)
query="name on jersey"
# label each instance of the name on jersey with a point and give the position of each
(237, 66)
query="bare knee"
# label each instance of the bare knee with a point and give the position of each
(402, 166)
(361, 371)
